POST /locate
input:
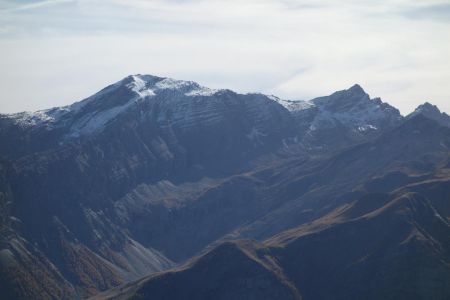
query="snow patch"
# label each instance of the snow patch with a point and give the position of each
(30, 119)
(367, 127)
(96, 121)
(202, 91)
(139, 86)
(293, 105)
(173, 84)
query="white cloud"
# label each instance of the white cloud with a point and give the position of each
(295, 49)
(33, 5)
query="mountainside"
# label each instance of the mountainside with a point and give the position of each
(69, 166)
(152, 174)
(380, 246)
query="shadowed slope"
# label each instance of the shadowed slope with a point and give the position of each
(233, 270)
(399, 251)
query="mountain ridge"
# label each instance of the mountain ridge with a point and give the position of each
(150, 172)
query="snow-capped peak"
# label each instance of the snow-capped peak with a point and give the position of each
(147, 86)
(139, 86)
(93, 113)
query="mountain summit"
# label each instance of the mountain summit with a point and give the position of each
(91, 114)
(432, 112)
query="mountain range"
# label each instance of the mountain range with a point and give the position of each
(155, 188)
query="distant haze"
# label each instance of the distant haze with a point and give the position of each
(55, 52)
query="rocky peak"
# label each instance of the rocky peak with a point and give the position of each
(428, 108)
(432, 112)
(343, 100)
(356, 89)
(353, 107)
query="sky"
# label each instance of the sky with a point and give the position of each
(56, 52)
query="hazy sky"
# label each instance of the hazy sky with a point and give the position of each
(56, 52)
